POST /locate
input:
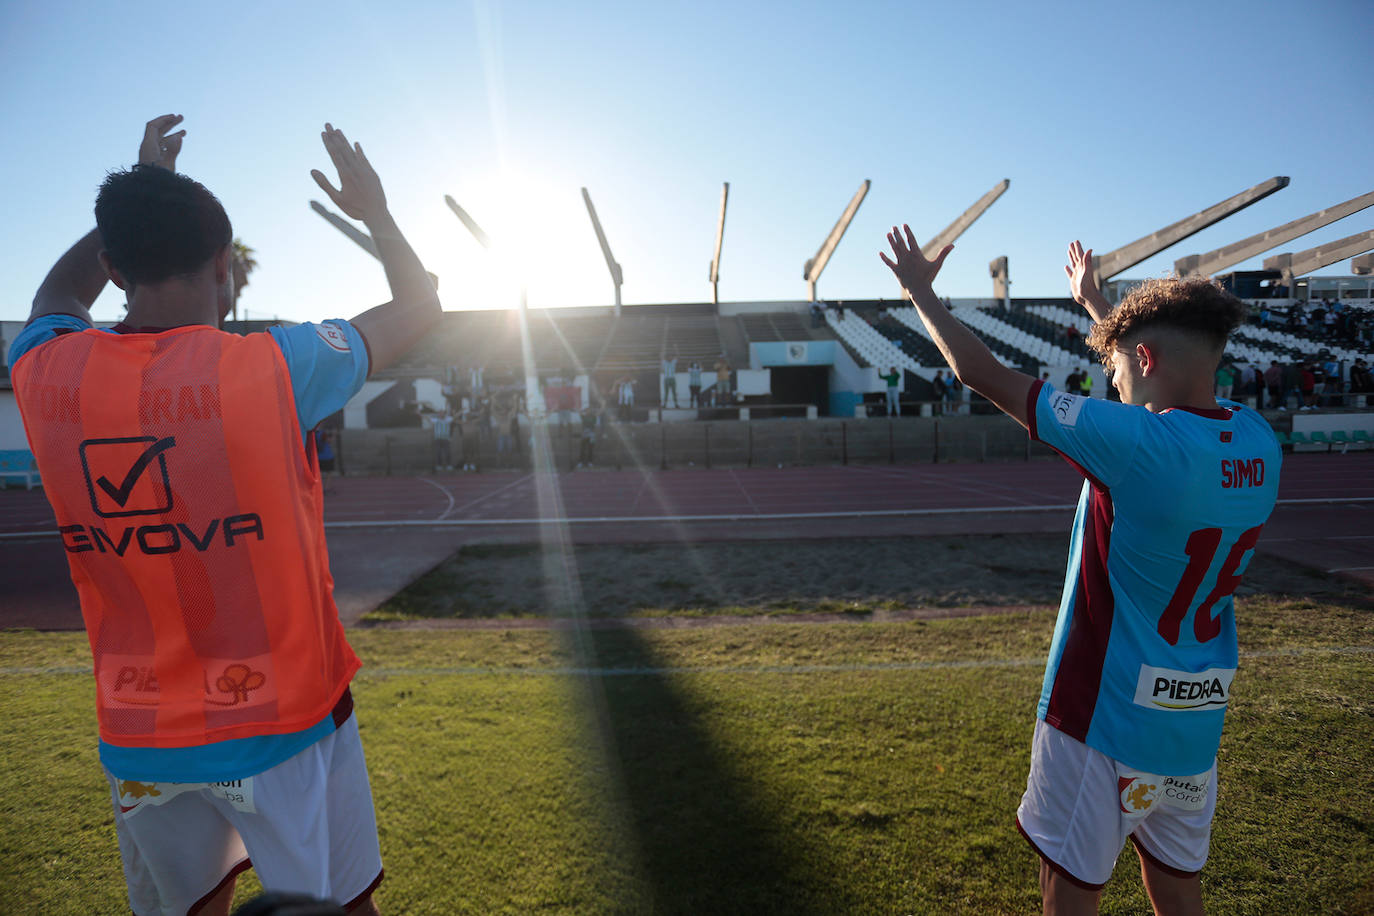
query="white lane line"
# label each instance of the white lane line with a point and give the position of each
(1349, 569)
(747, 498)
(676, 519)
(444, 490)
(986, 663)
(482, 499)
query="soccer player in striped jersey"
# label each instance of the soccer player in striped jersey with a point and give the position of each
(1177, 486)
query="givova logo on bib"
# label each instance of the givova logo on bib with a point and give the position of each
(1183, 691)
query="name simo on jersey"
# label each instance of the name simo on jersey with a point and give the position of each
(1242, 472)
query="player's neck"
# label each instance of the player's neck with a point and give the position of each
(173, 304)
(1197, 395)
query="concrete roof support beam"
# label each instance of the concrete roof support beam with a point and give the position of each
(1114, 262)
(1304, 262)
(811, 270)
(957, 228)
(1214, 262)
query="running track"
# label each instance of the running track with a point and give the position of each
(384, 532)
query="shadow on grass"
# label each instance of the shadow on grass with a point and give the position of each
(708, 840)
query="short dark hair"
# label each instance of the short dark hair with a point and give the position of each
(1194, 304)
(156, 224)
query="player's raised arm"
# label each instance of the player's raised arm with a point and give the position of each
(1083, 284)
(393, 328)
(971, 360)
(76, 280)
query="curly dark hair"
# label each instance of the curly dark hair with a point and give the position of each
(156, 224)
(1195, 304)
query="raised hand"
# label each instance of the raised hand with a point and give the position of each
(159, 147)
(360, 193)
(1082, 283)
(913, 271)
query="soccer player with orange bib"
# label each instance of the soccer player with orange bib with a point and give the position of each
(1177, 487)
(186, 487)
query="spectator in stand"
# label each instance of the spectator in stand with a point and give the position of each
(817, 310)
(1292, 384)
(722, 367)
(1264, 315)
(484, 420)
(1330, 321)
(1331, 374)
(475, 380)
(1085, 383)
(442, 425)
(1226, 379)
(954, 393)
(1361, 381)
(1308, 374)
(591, 419)
(694, 384)
(503, 411)
(324, 449)
(1273, 383)
(940, 386)
(1072, 379)
(516, 437)
(1256, 386)
(625, 389)
(670, 379)
(894, 408)
(1318, 317)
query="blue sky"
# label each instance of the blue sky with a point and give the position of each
(1110, 119)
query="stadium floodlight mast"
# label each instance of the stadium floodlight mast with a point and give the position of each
(720, 241)
(1304, 262)
(957, 228)
(811, 270)
(338, 222)
(617, 274)
(353, 232)
(1205, 265)
(534, 400)
(1106, 266)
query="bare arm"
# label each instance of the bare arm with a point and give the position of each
(1083, 284)
(394, 327)
(971, 360)
(76, 280)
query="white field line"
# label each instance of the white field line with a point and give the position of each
(444, 490)
(976, 664)
(679, 519)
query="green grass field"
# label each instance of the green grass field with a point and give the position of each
(786, 768)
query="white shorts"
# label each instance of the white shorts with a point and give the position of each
(1081, 805)
(307, 824)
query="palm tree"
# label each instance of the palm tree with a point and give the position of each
(244, 264)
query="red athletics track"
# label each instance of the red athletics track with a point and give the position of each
(384, 532)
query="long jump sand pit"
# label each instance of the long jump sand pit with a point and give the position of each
(852, 578)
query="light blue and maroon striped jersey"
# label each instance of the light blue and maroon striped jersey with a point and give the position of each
(1173, 502)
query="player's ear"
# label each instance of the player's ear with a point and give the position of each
(1145, 359)
(115, 276)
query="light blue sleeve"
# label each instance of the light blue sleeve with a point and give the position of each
(40, 331)
(327, 363)
(1098, 435)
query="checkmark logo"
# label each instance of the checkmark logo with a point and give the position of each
(139, 465)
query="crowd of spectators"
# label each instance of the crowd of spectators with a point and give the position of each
(1324, 319)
